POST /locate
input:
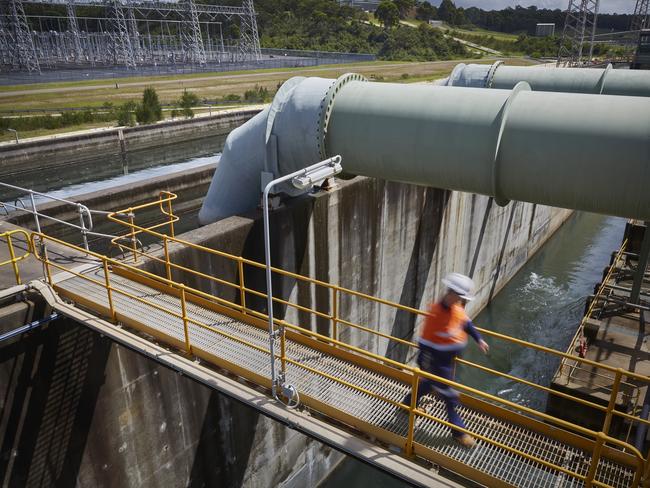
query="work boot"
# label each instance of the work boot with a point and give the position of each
(465, 440)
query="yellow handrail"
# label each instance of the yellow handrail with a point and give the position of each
(166, 198)
(13, 259)
(600, 438)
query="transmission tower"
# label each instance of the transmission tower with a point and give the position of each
(191, 34)
(249, 41)
(6, 39)
(73, 27)
(24, 53)
(579, 27)
(134, 33)
(122, 50)
(641, 16)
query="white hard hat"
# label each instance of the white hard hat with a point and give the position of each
(460, 284)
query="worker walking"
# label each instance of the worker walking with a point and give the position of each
(443, 336)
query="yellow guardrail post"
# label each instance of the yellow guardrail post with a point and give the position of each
(171, 216)
(283, 349)
(412, 407)
(12, 255)
(335, 313)
(595, 459)
(13, 259)
(134, 242)
(242, 287)
(109, 291)
(612, 401)
(168, 268)
(184, 314)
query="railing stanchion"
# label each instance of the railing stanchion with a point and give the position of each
(414, 403)
(335, 314)
(168, 267)
(36, 220)
(82, 224)
(283, 357)
(12, 255)
(242, 286)
(612, 401)
(134, 241)
(595, 459)
(171, 216)
(109, 291)
(185, 326)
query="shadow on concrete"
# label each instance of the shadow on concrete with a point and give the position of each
(426, 241)
(50, 381)
(218, 463)
(289, 235)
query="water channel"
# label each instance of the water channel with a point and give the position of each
(543, 303)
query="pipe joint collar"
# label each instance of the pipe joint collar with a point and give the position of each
(496, 190)
(328, 104)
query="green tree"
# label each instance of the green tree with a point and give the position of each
(404, 7)
(186, 102)
(149, 110)
(387, 13)
(426, 11)
(447, 11)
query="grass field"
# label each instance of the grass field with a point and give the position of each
(211, 86)
(501, 36)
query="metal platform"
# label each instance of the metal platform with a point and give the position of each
(230, 346)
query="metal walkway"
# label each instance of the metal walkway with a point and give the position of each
(229, 352)
(356, 391)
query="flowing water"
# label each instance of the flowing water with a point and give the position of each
(543, 304)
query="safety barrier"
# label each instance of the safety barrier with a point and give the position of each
(13, 259)
(600, 444)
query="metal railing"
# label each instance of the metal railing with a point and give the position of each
(332, 315)
(601, 441)
(85, 225)
(13, 258)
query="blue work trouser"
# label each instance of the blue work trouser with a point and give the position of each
(439, 363)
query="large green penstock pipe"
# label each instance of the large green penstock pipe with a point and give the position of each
(607, 81)
(578, 151)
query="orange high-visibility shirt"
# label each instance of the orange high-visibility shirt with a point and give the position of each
(444, 327)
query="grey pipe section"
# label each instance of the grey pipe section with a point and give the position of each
(608, 81)
(585, 152)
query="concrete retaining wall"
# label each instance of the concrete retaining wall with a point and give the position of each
(79, 410)
(104, 153)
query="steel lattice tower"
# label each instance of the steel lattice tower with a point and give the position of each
(249, 41)
(6, 39)
(191, 34)
(579, 27)
(24, 52)
(73, 27)
(119, 33)
(641, 17)
(134, 32)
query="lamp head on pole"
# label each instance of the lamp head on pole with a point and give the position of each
(311, 177)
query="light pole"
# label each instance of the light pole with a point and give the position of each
(15, 133)
(302, 180)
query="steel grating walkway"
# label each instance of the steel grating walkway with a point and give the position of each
(484, 457)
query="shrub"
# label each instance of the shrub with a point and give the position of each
(149, 110)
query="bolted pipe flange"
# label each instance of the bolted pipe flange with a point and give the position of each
(326, 108)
